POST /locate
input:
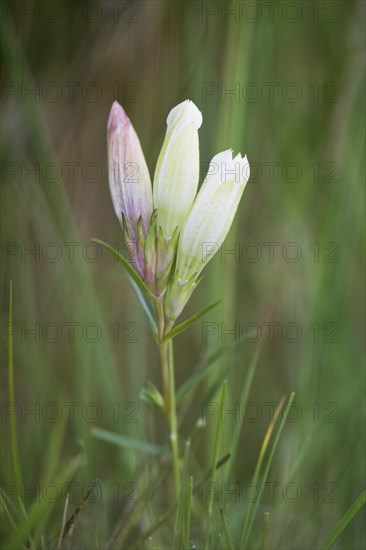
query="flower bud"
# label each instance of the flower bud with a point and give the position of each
(129, 181)
(177, 170)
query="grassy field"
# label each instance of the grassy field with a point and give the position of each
(284, 83)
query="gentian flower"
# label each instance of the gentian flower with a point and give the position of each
(172, 225)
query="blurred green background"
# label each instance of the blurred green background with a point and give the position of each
(284, 83)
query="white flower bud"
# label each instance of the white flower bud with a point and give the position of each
(177, 170)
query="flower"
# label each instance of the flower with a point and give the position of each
(129, 182)
(208, 224)
(212, 213)
(175, 232)
(177, 169)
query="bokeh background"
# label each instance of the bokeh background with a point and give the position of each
(284, 83)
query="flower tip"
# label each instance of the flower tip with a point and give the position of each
(118, 118)
(246, 167)
(242, 159)
(188, 112)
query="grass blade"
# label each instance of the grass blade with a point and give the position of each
(179, 529)
(226, 530)
(247, 526)
(265, 531)
(72, 519)
(215, 458)
(128, 442)
(7, 512)
(188, 511)
(125, 525)
(173, 508)
(64, 515)
(344, 521)
(40, 508)
(13, 427)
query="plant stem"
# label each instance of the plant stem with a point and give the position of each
(167, 370)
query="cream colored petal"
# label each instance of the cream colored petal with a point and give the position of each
(177, 170)
(211, 216)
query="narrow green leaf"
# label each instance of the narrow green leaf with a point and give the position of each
(127, 265)
(152, 396)
(226, 530)
(173, 508)
(344, 521)
(186, 324)
(247, 526)
(13, 428)
(265, 535)
(128, 442)
(188, 511)
(146, 305)
(214, 462)
(51, 465)
(7, 513)
(125, 525)
(200, 375)
(179, 529)
(40, 507)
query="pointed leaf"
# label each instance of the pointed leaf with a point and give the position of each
(247, 525)
(152, 396)
(186, 324)
(127, 265)
(127, 442)
(215, 458)
(146, 305)
(226, 530)
(344, 521)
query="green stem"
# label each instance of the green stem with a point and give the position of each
(167, 369)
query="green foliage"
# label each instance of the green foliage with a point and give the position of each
(322, 137)
(127, 442)
(344, 521)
